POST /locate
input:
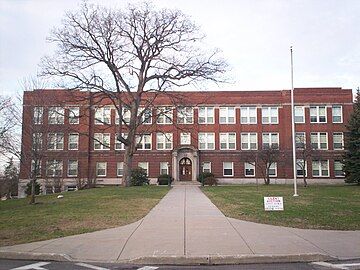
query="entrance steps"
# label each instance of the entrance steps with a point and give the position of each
(186, 183)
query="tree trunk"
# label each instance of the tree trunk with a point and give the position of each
(32, 196)
(128, 158)
(305, 182)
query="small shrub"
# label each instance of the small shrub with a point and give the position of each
(37, 189)
(204, 175)
(164, 179)
(139, 177)
(210, 181)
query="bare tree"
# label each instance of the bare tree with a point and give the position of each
(131, 57)
(267, 157)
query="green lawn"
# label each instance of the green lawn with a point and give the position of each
(317, 207)
(78, 212)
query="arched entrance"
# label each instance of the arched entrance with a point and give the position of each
(185, 169)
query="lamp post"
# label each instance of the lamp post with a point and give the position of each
(293, 124)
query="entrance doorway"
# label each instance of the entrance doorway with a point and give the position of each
(185, 169)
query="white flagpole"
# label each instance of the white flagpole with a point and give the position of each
(293, 123)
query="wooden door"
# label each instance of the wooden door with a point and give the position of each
(185, 167)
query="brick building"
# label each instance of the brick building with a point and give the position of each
(222, 132)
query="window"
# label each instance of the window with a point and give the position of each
(164, 168)
(38, 115)
(320, 168)
(72, 168)
(54, 168)
(102, 116)
(270, 140)
(73, 141)
(299, 114)
(55, 141)
(146, 116)
(143, 142)
(164, 115)
(227, 115)
(206, 141)
(317, 114)
(338, 140)
(37, 141)
(248, 141)
(300, 140)
(185, 115)
(125, 116)
(101, 169)
(118, 144)
(301, 167)
(319, 140)
(144, 166)
(249, 169)
(185, 138)
(36, 168)
(101, 141)
(56, 115)
(272, 170)
(248, 115)
(120, 169)
(337, 114)
(228, 141)
(164, 141)
(270, 115)
(206, 167)
(74, 114)
(228, 169)
(206, 115)
(338, 168)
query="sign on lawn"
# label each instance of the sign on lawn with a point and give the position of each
(273, 204)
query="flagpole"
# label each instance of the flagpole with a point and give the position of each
(293, 123)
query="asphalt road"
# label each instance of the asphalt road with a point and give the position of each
(39, 265)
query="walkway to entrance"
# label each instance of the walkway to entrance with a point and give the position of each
(186, 227)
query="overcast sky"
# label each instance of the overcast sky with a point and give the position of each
(254, 36)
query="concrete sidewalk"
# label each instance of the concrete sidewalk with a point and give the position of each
(186, 228)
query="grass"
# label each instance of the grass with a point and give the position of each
(78, 212)
(317, 207)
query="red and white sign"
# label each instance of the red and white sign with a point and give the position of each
(273, 204)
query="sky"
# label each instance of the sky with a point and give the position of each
(254, 36)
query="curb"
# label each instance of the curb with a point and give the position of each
(16, 255)
(176, 260)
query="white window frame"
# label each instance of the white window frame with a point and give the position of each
(125, 115)
(183, 138)
(32, 168)
(55, 165)
(227, 113)
(38, 115)
(247, 116)
(226, 138)
(273, 166)
(320, 162)
(266, 113)
(144, 140)
(206, 115)
(300, 109)
(77, 141)
(122, 146)
(317, 114)
(58, 141)
(145, 166)
(56, 116)
(249, 166)
(297, 139)
(207, 142)
(37, 140)
(100, 140)
(119, 168)
(164, 166)
(299, 167)
(271, 135)
(185, 115)
(74, 115)
(232, 169)
(341, 114)
(341, 134)
(318, 136)
(146, 116)
(164, 141)
(98, 168)
(342, 169)
(204, 165)
(77, 168)
(247, 141)
(103, 115)
(164, 115)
